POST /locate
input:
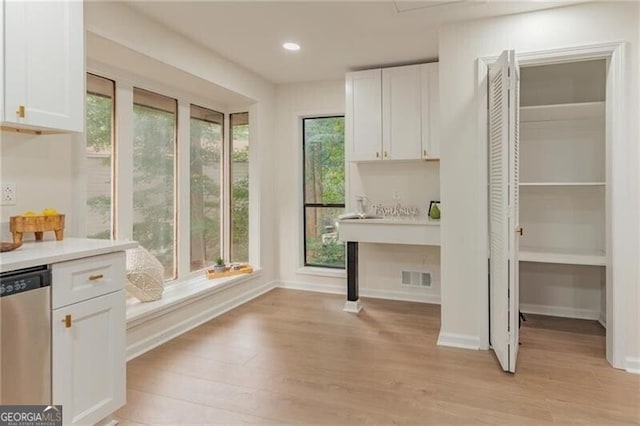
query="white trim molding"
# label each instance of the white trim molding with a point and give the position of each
(462, 341)
(560, 311)
(319, 288)
(632, 365)
(146, 335)
(364, 292)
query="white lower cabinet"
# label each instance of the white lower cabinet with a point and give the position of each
(88, 355)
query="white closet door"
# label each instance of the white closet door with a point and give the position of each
(503, 208)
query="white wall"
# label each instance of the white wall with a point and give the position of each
(573, 291)
(411, 183)
(463, 166)
(294, 101)
(119, 23)
(41, 167)
(380, 265)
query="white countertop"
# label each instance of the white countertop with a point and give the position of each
(33, 253)
(412, 231)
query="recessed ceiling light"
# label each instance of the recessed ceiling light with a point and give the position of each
(291, 46)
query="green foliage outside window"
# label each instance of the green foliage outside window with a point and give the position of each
(324, 184)
(153, 183)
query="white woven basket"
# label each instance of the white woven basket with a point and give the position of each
(145, 275)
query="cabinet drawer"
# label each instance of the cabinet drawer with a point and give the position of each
(86, 278)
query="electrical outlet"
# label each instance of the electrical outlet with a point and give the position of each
(8, 194)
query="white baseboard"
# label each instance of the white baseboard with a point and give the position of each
(178, 321)
(320, 288)
(602, 319)
(632, 365)
(462, 341)
(559, 311)
(364, 292)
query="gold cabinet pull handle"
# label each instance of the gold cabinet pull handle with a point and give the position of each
(377, 154)
(425, 152)
(520, 231)
(67, 321)
(21, 111)
(385, 154)
(96, 277)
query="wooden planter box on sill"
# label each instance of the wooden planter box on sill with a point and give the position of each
(18, 225)
(242, 269)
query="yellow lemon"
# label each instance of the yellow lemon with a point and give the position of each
(29, 213)
(49, 212)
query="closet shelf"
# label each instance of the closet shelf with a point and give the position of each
(573, 111)
(563, 256)
(562, 184)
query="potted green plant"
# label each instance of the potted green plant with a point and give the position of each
(220, 266)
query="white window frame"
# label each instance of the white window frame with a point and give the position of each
(125, 82)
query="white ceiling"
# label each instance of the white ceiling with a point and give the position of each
(336, 36)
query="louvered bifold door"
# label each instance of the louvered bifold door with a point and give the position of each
(503, 199)
(514, 215)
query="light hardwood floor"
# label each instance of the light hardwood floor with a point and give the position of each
(295, 357)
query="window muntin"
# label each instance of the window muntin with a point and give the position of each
(239, 182)
(154, 171)
(323, 189)
(155, 176)
(206, 175)
(99, 156)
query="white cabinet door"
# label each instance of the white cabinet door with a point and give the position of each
(44, 64)
(88, 358)
(503, 209)
(430, 112)
(401, 113)
(363, 118)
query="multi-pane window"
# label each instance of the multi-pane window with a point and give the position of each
(323, 181)
(99, 156)
(154, 165)
(206, 135)
(239, 200)
(217, 177)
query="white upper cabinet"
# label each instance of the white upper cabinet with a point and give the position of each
(392, 113)
(401, 113)
(430, 112)
(43, 61)
(363, 118)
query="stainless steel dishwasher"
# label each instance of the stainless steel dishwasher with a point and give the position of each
(25, 336)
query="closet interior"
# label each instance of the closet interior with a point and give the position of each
(563, 190)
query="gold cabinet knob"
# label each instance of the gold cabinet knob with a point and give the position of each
(386, 154)
(424, 152)
(21, 111)
(67, 321)
(377, 154)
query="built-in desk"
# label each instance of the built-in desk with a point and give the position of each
(384, 231)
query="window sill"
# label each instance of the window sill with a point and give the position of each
(322, 272)
(182, 292)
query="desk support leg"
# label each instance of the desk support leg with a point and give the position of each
(353, 298)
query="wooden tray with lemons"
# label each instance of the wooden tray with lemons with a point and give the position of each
(38, 223)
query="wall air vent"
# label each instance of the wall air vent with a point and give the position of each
(416, 279)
